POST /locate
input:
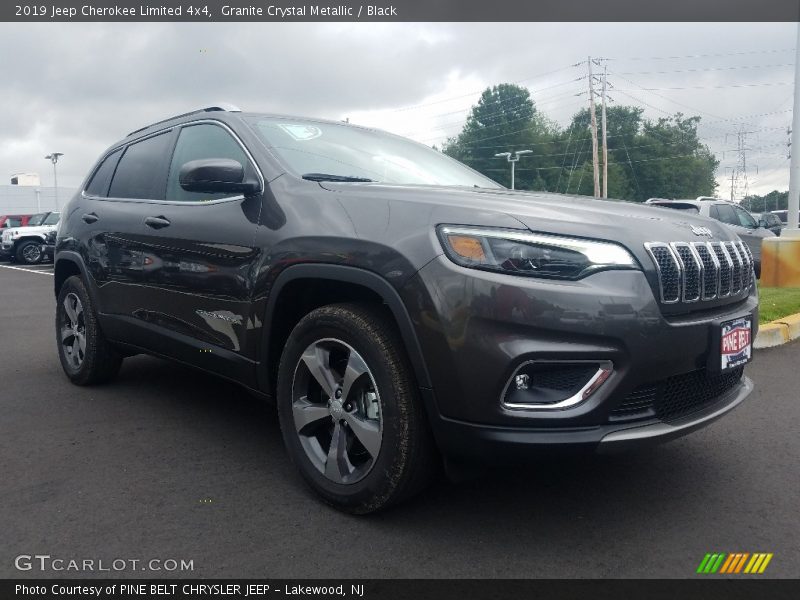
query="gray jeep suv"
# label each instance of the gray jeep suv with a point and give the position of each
(396, 305)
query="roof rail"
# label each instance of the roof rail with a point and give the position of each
(222, 106)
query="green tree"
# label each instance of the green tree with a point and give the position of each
(505, 119)
(663, 158)
(775, 200)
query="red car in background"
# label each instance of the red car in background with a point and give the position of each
(14, 220)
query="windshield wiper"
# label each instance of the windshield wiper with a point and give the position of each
(330, 177)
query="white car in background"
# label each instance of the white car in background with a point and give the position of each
(24, 244)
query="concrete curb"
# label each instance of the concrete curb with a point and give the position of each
(778, 332)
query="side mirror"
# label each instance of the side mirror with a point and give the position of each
(216, 175)
(763, 223)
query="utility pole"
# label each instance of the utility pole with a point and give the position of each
(513, 158)
(595, 166)
(605, 141)
(733, 182)
(794, 167)
(741, 168)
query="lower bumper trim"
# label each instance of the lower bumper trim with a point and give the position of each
(658, 432)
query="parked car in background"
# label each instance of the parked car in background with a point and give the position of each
(783, 215)
(8, 221)
(769, 221)
(395, 302)
(729, 213)
(24, 244)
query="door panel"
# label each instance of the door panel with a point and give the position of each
(198, 256)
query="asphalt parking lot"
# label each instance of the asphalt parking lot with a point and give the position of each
(169, 463)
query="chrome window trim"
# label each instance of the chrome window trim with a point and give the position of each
(180, 202)
(605, 370)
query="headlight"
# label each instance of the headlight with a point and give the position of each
(531, 254)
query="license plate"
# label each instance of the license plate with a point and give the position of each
(736, 343)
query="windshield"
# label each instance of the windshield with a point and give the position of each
(36, 219)
(52, 219)
(329, 151)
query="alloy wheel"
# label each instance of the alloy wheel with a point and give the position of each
(73, 330)
(336, 410)
(32, 254)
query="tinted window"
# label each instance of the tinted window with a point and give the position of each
(98, 186)
(139, 173)
(745, 220)
(198, 142)
(52, 219)
(13, 222)
(724, 213)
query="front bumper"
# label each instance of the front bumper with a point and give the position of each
(490, 444)
(476, 330)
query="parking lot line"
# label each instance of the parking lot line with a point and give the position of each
(26, 270)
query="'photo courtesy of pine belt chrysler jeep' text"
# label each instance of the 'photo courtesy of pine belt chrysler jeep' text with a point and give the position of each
(396, 305)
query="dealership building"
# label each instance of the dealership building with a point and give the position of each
(30, 199)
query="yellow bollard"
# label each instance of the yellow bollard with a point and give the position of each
(780, 260)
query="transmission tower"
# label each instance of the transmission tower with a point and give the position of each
(739, 183)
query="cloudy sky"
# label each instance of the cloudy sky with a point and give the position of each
(76, 88)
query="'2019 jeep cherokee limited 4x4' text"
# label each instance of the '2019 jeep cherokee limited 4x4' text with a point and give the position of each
(395, 303)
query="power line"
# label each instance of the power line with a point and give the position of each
(706, 70)
(715, 55)
(717, 87)
(416, 106)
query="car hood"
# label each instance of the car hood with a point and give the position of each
(35, 230)
(628, 223)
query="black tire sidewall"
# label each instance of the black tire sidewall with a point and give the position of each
(379, 482)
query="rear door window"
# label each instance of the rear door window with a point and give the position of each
(141, 172)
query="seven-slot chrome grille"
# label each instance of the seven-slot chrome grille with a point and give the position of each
(701, 271)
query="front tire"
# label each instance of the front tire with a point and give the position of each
(29, 252)
(350, 412)
(85, 354)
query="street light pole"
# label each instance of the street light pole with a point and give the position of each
(513, 158)
(53, 158)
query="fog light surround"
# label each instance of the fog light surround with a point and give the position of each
(542, 385)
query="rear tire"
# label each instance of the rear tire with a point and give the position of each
(350, 411)
(86, 356)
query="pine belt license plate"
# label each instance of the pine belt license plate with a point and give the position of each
(735, 342)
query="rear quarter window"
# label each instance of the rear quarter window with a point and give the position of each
(101, 179)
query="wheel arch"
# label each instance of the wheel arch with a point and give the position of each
(344, 282)
(67, 263)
